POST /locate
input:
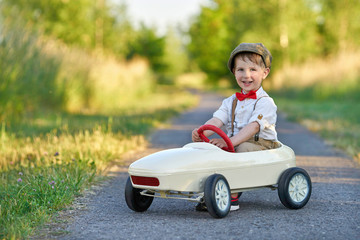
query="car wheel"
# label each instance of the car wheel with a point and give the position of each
(217, 196)
(134, 199)
(294, 188)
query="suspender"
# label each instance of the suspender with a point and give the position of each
(234, 103)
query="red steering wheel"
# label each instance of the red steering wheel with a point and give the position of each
(229, 148)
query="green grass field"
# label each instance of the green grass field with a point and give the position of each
(47, 161)
(323, 95)
(335, 121)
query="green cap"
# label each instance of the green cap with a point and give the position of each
(258, 48)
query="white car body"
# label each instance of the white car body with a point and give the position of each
(186, 169)
(206, 174)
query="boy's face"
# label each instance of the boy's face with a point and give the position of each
(249, 75)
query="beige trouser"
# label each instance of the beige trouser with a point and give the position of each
(252, 145)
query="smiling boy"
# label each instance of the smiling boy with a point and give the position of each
(249, 115)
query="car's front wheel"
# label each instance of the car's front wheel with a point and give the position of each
(294, 188)
(217, 196)
(134, 199)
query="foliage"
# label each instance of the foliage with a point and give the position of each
(84, 23)
(40, 75)
(335, 77)
(323, 96)
(338, 24)
(174, 57)
(71, 21)
(28, 75)
(93, 25)
(150, 46)
(294, 31)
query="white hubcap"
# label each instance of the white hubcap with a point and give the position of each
(221, 195)
(298, 188)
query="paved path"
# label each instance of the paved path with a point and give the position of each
(333, 211)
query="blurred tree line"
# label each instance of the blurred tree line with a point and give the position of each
(294, 31)
(48, 49)
(91, 25)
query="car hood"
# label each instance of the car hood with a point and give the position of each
(204, 157)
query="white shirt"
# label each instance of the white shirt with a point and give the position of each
(264, 114)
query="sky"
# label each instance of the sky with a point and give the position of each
(163, 12)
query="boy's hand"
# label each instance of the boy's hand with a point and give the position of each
(195, 136)
(219, 142)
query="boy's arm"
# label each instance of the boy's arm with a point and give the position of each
(245, 133)
(216, 122)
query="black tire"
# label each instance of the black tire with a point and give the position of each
(294, 188)
(217, 196)
(134, 199)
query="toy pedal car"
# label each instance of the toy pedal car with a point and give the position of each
(202, 172)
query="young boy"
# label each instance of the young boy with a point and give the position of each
(249, 115)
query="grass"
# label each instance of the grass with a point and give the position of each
(323, 95)
(30, 194)
(335, 121)
(48, 160)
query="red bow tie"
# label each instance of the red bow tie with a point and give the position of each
(241, 96)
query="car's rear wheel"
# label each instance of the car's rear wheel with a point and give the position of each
(217, 196)
(294, 188)
(134, 199)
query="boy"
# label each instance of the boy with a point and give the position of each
(250, 115)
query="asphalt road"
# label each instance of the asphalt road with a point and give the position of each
(333, 211)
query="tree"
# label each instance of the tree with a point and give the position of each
(175, 56)
(89, 24)
(70, 21)
(210, 40)
(222, 25)
(339, 24)
(147, 44)
(292, 30)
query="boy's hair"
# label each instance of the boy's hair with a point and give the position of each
(253, 57)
